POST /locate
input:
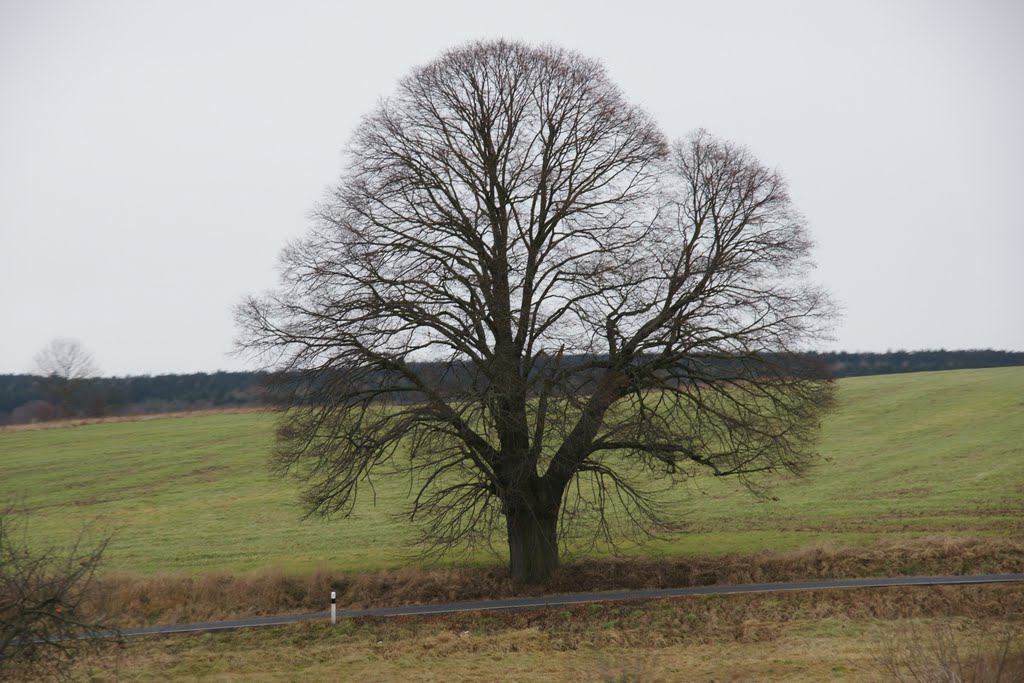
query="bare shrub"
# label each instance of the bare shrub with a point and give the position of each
(974, 652)
(41, 595)
(34, 411)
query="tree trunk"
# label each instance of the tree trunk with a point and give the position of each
(532, 542)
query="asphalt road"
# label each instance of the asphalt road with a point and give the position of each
(572, 599)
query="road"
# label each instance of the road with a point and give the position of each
(544, 601)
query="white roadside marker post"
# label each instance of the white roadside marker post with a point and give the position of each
(334, 607)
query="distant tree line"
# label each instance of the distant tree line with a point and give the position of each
(843, 364)
(31, 398)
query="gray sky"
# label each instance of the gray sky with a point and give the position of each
(156, 156)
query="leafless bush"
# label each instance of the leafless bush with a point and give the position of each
(41, 593)
(975, 653)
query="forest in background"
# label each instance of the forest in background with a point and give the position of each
(32, 398)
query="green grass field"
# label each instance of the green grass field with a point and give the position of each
(904, 456)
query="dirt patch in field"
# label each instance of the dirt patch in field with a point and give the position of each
(208, 473)
(135, 601)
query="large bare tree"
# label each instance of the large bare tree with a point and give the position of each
(521, 291)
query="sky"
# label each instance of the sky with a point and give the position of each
(155, 157)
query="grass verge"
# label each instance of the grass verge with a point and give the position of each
(808, 636)
(143, 600)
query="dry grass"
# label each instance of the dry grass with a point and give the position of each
(807, 636)
(142, 417)
(141, 600)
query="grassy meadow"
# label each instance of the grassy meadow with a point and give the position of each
(904, 456)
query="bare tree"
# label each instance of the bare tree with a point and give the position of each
(41, 595)
(521, 292)
(64, 363)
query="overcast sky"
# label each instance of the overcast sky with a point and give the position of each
(156, 156)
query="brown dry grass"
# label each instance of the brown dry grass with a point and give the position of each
(745, 618)
(144, 417)
(134, 600)
(806, 636)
